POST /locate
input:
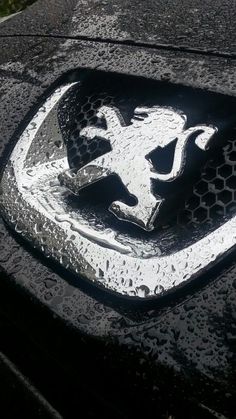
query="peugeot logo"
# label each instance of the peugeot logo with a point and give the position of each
(131, 145)
(38, 184)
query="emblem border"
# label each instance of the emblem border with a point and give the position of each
(106, 264)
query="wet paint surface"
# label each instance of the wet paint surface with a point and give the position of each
(195, 334)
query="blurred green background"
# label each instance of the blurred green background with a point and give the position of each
(7, 7)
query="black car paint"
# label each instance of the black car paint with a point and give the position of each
(134, 358)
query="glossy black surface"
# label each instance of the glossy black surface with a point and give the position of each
(148, 358)
(192, 24)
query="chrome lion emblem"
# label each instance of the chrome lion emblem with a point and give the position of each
(129, 158)
(37, 200)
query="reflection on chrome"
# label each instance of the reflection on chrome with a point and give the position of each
(130, 147)
(36, 187)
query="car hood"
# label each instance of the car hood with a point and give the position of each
(208, 27)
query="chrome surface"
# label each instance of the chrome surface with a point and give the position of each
(35, 202)
(130, 147)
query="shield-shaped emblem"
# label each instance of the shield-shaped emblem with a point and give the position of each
(101, 187)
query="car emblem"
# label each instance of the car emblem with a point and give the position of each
(59, 191)
(131, 145)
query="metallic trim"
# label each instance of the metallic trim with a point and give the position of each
(34, 202)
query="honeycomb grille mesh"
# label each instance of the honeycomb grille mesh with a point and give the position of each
(80, 151)
(213, 197)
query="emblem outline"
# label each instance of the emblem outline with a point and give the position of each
(159, 275)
